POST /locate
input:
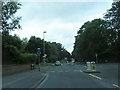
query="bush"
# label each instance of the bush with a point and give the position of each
(27, 58)
(53, 58)
(10, 53)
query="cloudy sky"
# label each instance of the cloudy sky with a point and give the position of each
(60, 19)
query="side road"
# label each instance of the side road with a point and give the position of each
(29, 79)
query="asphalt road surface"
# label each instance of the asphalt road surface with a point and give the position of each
(65, 76)
(72, 76)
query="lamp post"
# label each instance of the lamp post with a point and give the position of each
(96, 57)
(44, 44)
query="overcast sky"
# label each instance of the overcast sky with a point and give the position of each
(61, 20)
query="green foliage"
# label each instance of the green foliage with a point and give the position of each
(51, 48)
(33, 44)
(93, 37)
(10, 53)
(113, 16)
(9, 21)
(27, 58)
(53, 58)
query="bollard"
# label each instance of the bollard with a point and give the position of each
(93, 66)
(88, 66)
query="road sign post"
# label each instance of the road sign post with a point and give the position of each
(38, 53)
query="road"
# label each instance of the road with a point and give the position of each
(72, 76)
(65, 76)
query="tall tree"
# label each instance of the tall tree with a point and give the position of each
(9, 21)
(113, 17)
(92, 38)
(33, 44)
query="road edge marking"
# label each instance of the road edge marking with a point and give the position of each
(95, 76)
(40, 81)
(115, 85)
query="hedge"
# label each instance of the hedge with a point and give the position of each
(27, 58)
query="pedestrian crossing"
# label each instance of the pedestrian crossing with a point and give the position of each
(66, 71)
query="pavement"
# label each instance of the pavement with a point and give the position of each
(29, 79)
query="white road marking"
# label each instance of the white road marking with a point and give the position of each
(41, 85)
(95, 76)
(76, 70)
(81, 71)
(40, 81)
(115, 85)
(52, 71)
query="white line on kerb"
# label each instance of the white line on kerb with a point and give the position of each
(115, 85)
(95, 76)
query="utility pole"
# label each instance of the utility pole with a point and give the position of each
(96, 58)
(44, 45)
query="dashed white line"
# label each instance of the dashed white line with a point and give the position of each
(115, 85)
(95, 76)
(76, 70)
(81, 71)
(52, 71)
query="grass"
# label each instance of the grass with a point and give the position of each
(63, 61)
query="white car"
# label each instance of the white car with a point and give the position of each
(57, 63)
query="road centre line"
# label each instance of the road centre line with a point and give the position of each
(115, 85)
(52, 71)
(95, 76)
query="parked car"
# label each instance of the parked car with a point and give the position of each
(57, 63)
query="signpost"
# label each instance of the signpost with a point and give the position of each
(38, 53)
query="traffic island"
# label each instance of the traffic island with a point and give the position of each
(91, 68)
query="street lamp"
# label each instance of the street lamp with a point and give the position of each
(44, 44)
(96, 57)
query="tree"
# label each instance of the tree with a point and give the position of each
(9, 21)
(33, 44)
(113, 17)
(11, 47)
(93, 37)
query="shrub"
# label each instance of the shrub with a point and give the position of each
(10, 53)
(27, 58)
(53, 58)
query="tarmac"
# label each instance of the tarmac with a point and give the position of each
(28, 79)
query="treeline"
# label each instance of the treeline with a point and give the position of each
(17, 51)
(98, 40)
